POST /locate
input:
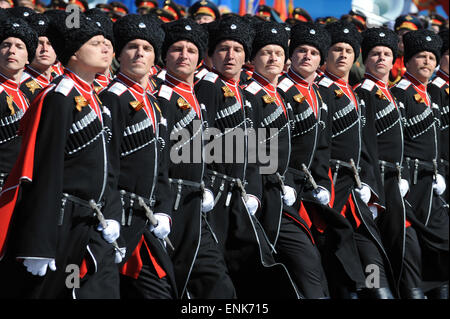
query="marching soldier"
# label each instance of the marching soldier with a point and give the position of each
(39, 73)
(384, 125)
(353, 193)
(65, 213)
(422, 155)
(235, 181)
(269, 55)
(439, 92)
(17, 47)
(199, 265)
(139, 155)
(310, 139)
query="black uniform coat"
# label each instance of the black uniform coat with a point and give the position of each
(241, 237)
(348, 121)
(439, 92)
(32, 82)
(422, 136)
(311, 140)
(13, 105)
(70, 166)
(273, 118)
(186, 123)
(384, 124)
(140, 164)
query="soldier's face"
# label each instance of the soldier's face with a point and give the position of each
(45, 54)
(13, 55)
(93, 55)
(422, 66)
(136, 58)
(340, 59)
(203, 18)
(379, 62)
(4, 4)
(269, 61)
(182, 59)
(228, 59)
(305, 60)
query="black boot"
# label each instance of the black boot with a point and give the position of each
(413, 293)
(375, 293)
(438, 293)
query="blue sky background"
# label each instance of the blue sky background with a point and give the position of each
(316, 8)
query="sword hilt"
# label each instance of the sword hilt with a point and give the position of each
(104, 224)
(153, 220)
(309, 176)
(355, 173)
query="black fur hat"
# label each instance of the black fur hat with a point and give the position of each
(19, 28)
(102, 19)
(373, 37)
(422, 40)
(66, 38)
(134, 26)
(40, 23)
(233, 28)
(185, 29)
(21, 12)
(444, 37)
(268, 32)
(343, 31)
(310, 33)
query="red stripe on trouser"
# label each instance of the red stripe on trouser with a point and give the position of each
(134, 264)
(351, 205)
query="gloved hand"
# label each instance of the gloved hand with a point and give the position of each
(439, 185)
(163, 228)
(403, 185)
(374, 210)
(112, 230)
(289, 195)
(118, 257)
(322, 195)
(208, 201)
(252, 204)
(364, 193)
(38, 266)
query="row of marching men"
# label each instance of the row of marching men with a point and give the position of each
(140, 190)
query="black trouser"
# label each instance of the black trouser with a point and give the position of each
(75, 234)
(148, 285)
(371, 259)
(302, 258)
(209, 278)
(412, 266)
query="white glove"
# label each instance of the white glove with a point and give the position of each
(112, 230)
(252, 204)
(208, 201)
(374, 210)
(439, 185)
(403, 185)
(322, 195)
(118, 257)
(38, 266)
(364, 193)
(289, 195)
(162, 229)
